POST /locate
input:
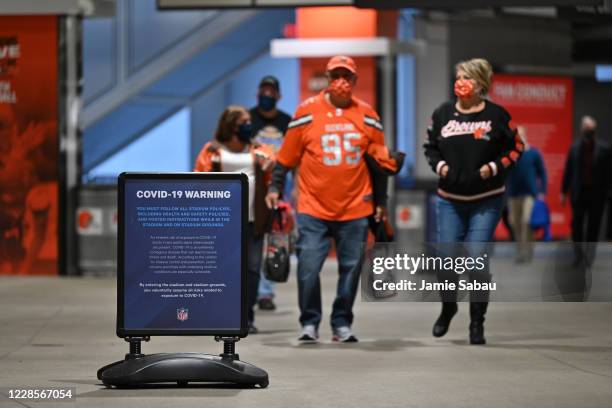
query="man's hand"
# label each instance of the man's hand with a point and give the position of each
(444, 171)
(380, 214)
(264, 161)
(272, 200)
(485, 172)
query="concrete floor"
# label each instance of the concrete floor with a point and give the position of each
(58, 332)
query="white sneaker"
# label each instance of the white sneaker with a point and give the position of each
(343, 335)
(309, 334)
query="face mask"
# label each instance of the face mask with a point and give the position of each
(341, 89)
(464, 88)
(266, 103)
(589, 133)
(245, 132)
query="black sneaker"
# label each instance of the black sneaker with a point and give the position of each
(253, 329)
(266, 304)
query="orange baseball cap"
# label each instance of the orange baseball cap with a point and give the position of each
(342, 61)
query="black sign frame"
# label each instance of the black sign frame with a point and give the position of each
(123, 177)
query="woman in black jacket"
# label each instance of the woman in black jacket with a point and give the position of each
(471, 145)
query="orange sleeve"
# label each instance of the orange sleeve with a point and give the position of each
(380, 153)
(376, 148)
(292, 148)
(204, 161)
(376, 134)
(268, 151)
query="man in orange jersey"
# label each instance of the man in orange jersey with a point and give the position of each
(327, 139)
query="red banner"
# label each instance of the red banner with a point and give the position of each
(28, 145)
(544, 106)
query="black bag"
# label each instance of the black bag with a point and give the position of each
(277, 249)
(382, 235)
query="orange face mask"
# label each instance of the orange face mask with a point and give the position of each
(464, 88)
(341, 88)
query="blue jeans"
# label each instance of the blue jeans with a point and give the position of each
(266, 287)
(472, 223)
(468, 222)
(312, 248)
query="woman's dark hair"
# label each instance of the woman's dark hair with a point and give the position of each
(227, 123)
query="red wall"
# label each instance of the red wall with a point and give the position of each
(545, 107)
(28, 145)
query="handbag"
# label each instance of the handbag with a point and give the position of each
(383, 234)
(540, 218)
(277, 262)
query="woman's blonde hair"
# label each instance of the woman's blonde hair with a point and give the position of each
(227, 122)
(480, 70)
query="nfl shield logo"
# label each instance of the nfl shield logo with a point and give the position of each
(182, 314)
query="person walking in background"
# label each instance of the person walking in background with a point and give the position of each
(586, 179)
(269, 122)
(527, 182)
(470, 145)
(234, 150)
(269, 127)
(327, 138)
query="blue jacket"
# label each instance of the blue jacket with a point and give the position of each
(528, 177)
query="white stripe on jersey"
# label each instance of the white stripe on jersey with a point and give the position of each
(300, 121)
(373, 122)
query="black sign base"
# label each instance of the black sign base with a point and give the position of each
(181, 368)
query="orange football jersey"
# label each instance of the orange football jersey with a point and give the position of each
(328, 143)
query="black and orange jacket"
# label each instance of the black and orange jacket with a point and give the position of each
(466, 142)
(209, 160)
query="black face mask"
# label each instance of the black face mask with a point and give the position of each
(589, 134)
(245, 132)
(266, 103)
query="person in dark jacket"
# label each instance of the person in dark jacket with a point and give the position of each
(471, 145)
(586, 180)
(527, 182)
(269, 127)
